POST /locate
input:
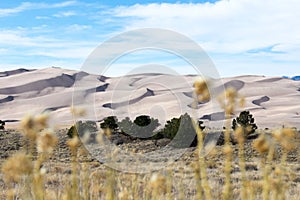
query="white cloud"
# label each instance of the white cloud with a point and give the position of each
(65, 14)
(233, 26)
(42, 17)
(72, 52)
(32, 6)
(77, 27)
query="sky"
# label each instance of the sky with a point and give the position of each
(241, 37)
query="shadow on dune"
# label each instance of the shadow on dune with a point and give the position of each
(14, 72)
(214, 116)
(134, 80)
(102, 78)
(7, 99)
(10, 120)
(261, 100)
(148, 93)
(101, 88)
(64, 80)
(54, 108)
(269, 80)
(236, 84)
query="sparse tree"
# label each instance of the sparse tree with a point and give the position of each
(2, 124)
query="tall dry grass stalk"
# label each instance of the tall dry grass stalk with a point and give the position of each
(228, 103)
(202, 94)
(240, 136)
(41, 139)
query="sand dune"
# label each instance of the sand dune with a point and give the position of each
(273, 101)
(14, 72)
(130, 102)
(236, 84)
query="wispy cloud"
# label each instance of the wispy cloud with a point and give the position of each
(65, 14)
(241, 36)
(225, 26)
(32, 6)
(77, 27)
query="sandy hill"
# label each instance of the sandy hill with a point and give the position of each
(274, 101)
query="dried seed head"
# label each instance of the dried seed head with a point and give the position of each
(73, 143)
(242, 102)
(261, 144)
(229, 109)
(108, 132)
(157, 181)
(100, 137)
(27, 122)
(227, 100)
(239, 135)
(43, 171)
(46, 141)
(289, 133)
(230, 93)
(31, 125)
(41, 120)
(278, 170)
(227, 149)
(16, 166)
(123, 195)
(285, 137)
(201, 90)
(78, 112)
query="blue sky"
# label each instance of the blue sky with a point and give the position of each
(240, 36)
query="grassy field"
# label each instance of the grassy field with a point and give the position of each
(178, 180)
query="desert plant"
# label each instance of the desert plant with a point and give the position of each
(183, 127)
(246, 121)
(2, 124)
(110, 122)
(142, 127)
(80, 128)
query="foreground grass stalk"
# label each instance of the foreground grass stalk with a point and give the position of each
(228, 158)
(38, 179)
(198, 180)
(73, 145)
(286, 138)
(202, 163)
(267, 171)
(169, 183)
(228, 103)
(240, 137)
(110, 188)
(86, 187)
(202, 94)
(135, 186)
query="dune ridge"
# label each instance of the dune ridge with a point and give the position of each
(273, 101)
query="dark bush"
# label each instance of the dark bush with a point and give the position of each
(2, 124)
(110, 122)
(80, 128)
(142, 127)
(181, 130)
(245, 120)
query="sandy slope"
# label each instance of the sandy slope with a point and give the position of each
(274, 101)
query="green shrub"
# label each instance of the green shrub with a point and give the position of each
(110, 122)
(80, 128)
(245, 120)
(181, 130)
(142, 127)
